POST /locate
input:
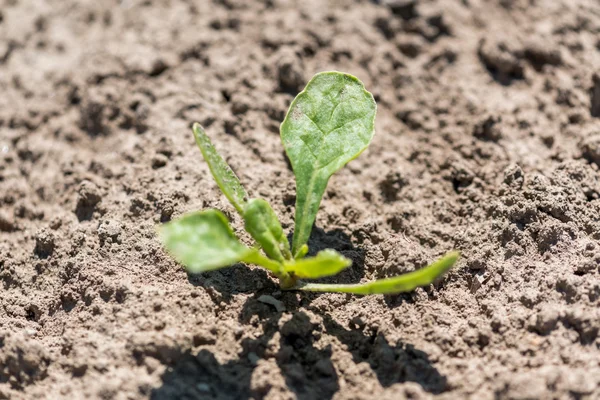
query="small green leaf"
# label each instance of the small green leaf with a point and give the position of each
(397, 284)
(327, 125)
(301, 252)
(203, 241)
(263, 225)
(325, 263)
(226, 179)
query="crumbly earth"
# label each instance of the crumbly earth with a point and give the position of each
(487, 141)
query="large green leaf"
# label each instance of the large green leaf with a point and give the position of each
(397, 284)
(328, 124)
(226, 179)
(203, 241)
(325, 263)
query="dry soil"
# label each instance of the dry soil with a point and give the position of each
(487, 141)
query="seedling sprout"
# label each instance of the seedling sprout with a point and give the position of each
(327, 125)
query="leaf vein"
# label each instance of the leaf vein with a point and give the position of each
(315, 124)
(309, 149)
(348, 122)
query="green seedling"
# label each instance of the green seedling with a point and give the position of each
(327, 125)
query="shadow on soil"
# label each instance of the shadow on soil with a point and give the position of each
(308, 371)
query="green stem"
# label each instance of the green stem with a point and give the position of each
(307, 205)
(256, 258)
(397, 284)
(287, 281)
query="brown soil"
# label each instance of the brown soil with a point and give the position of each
(488, 141)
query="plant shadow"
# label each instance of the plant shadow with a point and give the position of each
(223, 284)
(201, 376)
(339, 241)
(306, 367)
(306, 370)
(391, 364)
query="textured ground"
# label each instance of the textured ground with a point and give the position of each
(488, 141)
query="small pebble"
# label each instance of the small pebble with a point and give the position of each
(203, 387)
(279, 306)
(253, 358)
(44, 243)
(159, 161)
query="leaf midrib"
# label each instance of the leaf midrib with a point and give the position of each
(318, 168)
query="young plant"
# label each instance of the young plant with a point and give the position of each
(327, 125)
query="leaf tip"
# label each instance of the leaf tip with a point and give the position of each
(452, 257)
(302, 252)
(196, 127)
